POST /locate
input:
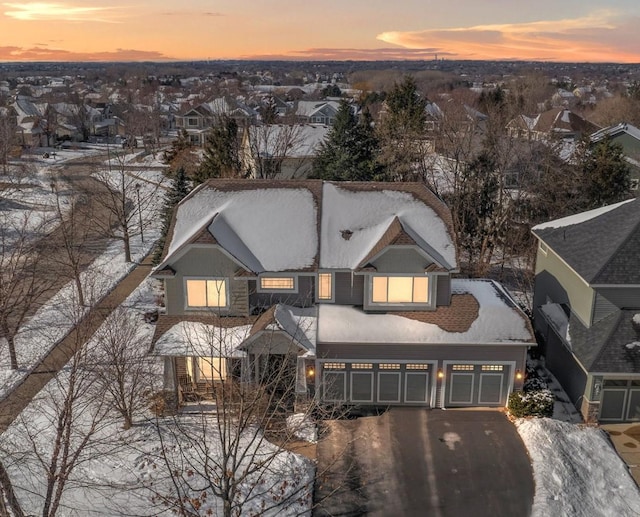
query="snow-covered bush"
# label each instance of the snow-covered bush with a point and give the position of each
(531, 403)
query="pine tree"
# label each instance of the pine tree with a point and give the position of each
(221, 154)
(606, 174)
(178, 189)
(350, 151)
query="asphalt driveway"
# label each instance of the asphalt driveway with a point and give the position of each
(414, 461)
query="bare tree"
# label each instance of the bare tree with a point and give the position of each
(268, 147)
(125, 199)
(122, 367)
(7, 136)
(22, 284)
(234, 461)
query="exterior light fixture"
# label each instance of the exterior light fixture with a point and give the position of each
(518, 375)
(440, 373)
(310, 371)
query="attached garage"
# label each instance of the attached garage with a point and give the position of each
(378, 383)
(477, 384)
(620, 400)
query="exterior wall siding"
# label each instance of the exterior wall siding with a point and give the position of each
(563, 365)
(401, 260)
(349, 288)
(413, 352)
(443, 290)
(572, 290)
(204, 262)
(623, 298)
(303, 298)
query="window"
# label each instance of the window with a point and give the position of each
(207, 293)
(463, 367)
(324, 286)
(400, 289)
(492, 367)
(192, 122)
(278, 283)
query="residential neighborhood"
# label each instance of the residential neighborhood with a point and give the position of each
(229, 289)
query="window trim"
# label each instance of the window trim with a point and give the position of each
(261, 289)
(430, 292)
(331, 287)
(188, 307)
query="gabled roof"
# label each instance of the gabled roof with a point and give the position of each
(613, 131)
(300, 225)
(601, 245)
(298, 323)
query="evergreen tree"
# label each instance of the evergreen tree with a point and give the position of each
(178, 189)
(401, 131)
(350, 151)
(268, 112)
(221, 154)
(606, 174)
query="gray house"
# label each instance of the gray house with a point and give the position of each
(587, 308)
(628, 137)
(351, 283)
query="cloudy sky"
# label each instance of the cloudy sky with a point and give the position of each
(549, 30)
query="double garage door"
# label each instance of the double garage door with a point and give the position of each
(377, 383)
(477, 384)
(464, 384)
(620, 400)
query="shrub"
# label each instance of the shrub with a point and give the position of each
(531, 403)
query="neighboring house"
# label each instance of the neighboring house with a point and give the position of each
(556, 123)
(586, 299)
(349, 283)
(281, 151)
(198, 120)
(628, 137)
(317, 112)
(31, 123)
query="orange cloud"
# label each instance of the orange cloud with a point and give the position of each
(599, 37)
(46, 11)
(39, 53)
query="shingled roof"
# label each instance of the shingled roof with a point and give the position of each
(602, 245)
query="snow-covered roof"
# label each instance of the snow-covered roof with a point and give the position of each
(273, 225)
(197, 339)
(290, 140)
(580, 218)
(367, 214)
(265, 229)
(498, 322)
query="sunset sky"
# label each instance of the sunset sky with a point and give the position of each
(122, 30)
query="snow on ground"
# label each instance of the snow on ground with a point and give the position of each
(53, 321)
(577, 472)
(303, 427)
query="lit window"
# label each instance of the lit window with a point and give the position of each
(400, 289)
(492, 367)
(463, 367)
(212, 368)
(324, 286)
(207, 293)
(277, 283)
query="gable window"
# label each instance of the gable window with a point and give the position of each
(206, 293)
(192, 121)
(278, 283)
(400, 289)
(325, 286)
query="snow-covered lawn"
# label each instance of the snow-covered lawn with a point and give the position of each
(577, 472)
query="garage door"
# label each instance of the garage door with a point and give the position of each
(477, 385)
(377, 383)
(620, 400)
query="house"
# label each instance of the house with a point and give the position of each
(556, 123)
(198, 120)
(282, 151)
(317, 112)
(587, 308)
(350, 283)
(628, 137)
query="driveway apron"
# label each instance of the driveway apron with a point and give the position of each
(414, 461)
